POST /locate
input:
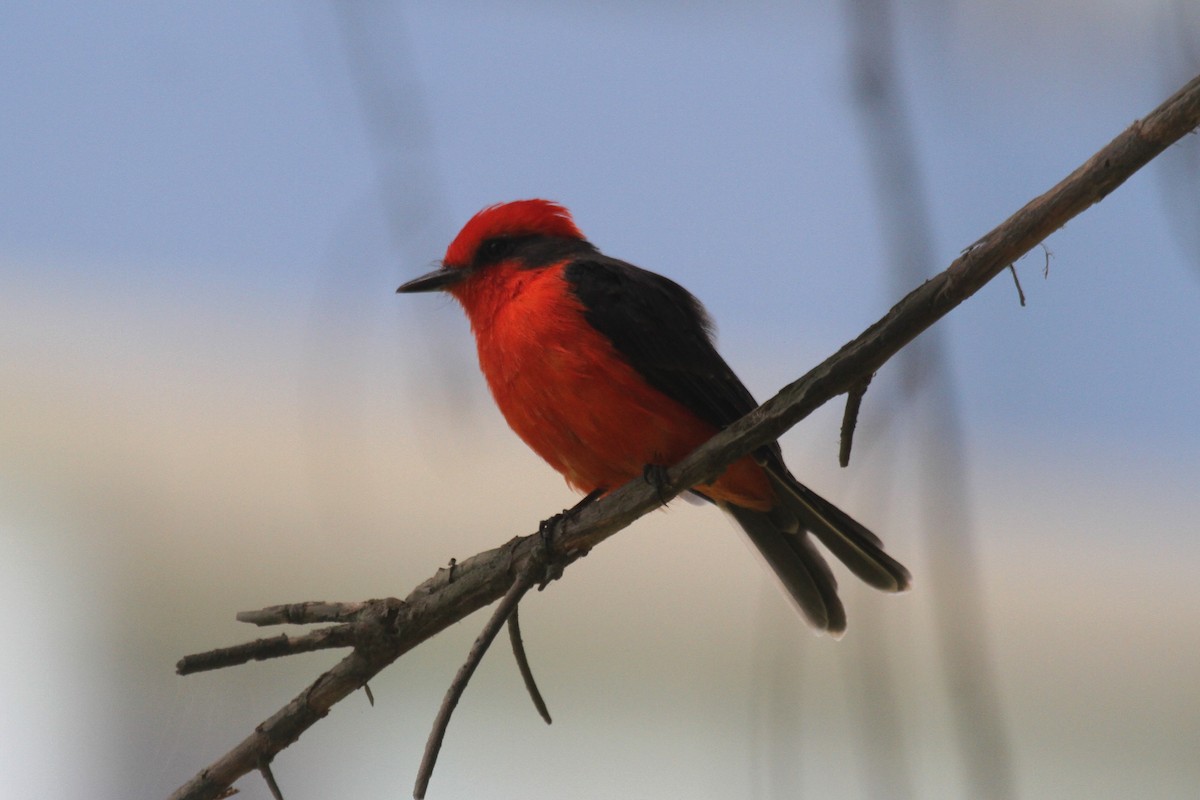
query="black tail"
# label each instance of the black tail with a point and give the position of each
(781, 535)
(799, 567)
(856, 547)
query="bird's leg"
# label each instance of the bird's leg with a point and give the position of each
(656, 476)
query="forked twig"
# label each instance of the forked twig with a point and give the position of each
(504, 609)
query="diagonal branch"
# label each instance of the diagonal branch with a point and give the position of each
(386, 629)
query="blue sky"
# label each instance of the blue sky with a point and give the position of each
(221, 156)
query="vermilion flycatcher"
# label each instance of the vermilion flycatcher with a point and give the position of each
(605, 369)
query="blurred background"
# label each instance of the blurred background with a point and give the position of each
(211, 400)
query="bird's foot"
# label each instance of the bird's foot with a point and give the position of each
(547, 528)
(656, 476)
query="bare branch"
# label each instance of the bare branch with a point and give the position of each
(386, 629)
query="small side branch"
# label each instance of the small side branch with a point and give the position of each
(518, 646)
(263, 649)
(1020, 292)
(264, 767)
(504, 609)
(854, 399)
(312, 612)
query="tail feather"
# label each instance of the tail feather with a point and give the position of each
(859, 549)
(800, 567)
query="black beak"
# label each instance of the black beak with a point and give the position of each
(439, 279)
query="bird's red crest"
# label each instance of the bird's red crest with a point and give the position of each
(517, 218)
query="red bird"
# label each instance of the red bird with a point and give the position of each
(605, 369)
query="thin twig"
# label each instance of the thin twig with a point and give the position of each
(307, 613)
(504, 608)
(263, 649)
(1020, 294)
(264, 767)
(518, 646)
(854, 399)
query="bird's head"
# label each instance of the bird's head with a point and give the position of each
(528, 233)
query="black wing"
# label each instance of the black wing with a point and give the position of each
(664, 333)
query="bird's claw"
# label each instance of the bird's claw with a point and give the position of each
(554, 567)
(656, 476)
(546, 530)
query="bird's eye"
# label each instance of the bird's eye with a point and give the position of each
(494, 250)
